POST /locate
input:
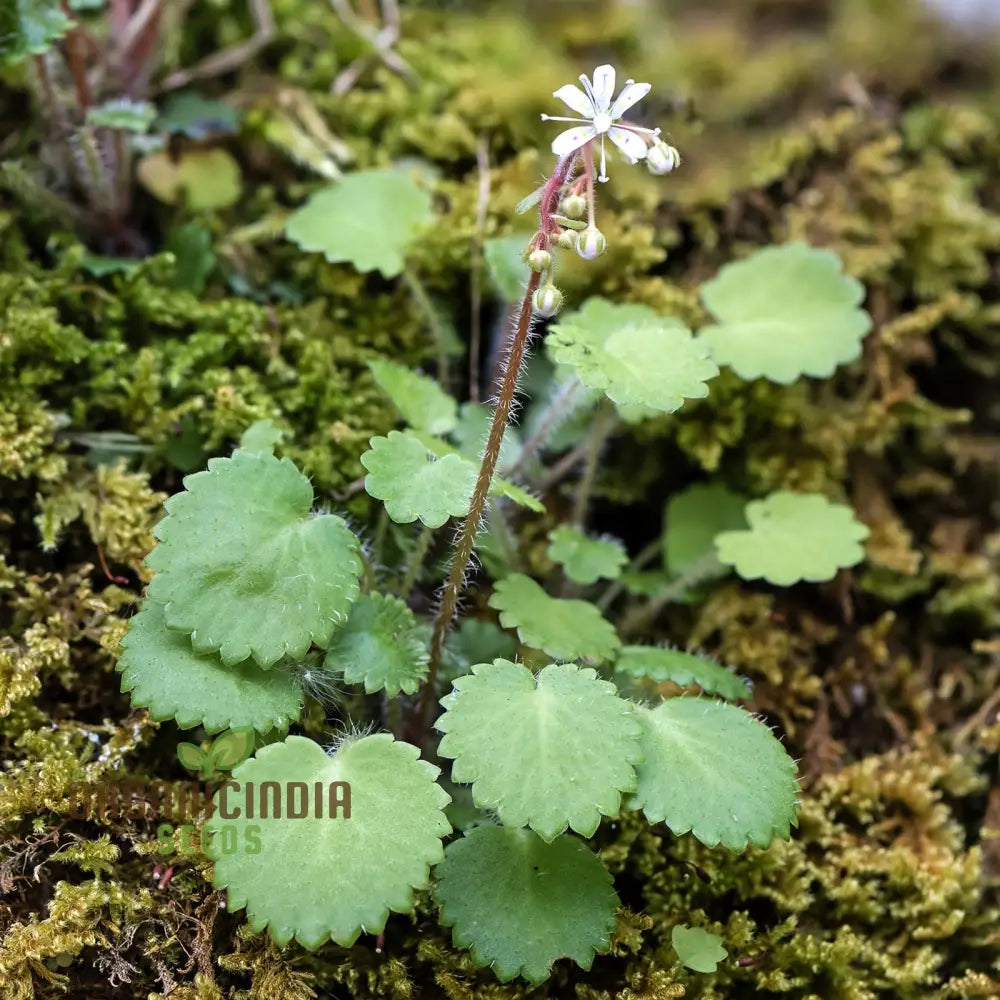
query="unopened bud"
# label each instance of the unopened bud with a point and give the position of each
(591, 243)
(547, 300)
(567, 239)
(573, 205)
(661, 158)
(540, 260)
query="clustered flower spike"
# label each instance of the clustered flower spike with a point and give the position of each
(601, 115)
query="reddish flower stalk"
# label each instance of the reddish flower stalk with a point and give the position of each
(501, 416)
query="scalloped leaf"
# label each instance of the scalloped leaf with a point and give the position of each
(262, 435)
(29, 27)
(698, 949)
(422, 403)
(793, 537)
(123, 114)
(322, 877)
(368, 219)
(163, 674)
(413, 483)
(784, 312)
(584, 559)
(565, 629)
(632, 354)
(712, 769)
(520, 904)
(380, 646)
(516, 736)
(692, 519)
(245, 568)
(661, 665)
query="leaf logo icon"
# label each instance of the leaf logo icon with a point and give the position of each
(223, 754)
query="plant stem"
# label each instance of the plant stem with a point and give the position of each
(501, 416)
(416, 561)
(475, 290)
(650, 552)
(433, 322)
(603, 423)
(558, 409)
(700, 570)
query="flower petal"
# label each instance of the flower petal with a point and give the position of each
(604, 87)
(572, 138)
(576, 100)
(628, 142)
(631, 94)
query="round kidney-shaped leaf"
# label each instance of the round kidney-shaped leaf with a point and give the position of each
(367, 219)
(698, 949)
(413, 483)
(792, 537)
(163, 674)
(550, 750)
(784, 312)
(712, 769)
(635, 356)
(317, 873)
(586, 559)
(692, 519)
(660, 665)
(245, 569)
(520, 903)
(380, 647)
(565, 629)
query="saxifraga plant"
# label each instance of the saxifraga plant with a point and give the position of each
(258, 602)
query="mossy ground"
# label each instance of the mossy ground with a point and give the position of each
(854, 124)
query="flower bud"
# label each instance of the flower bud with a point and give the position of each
(573, 206)
(540, 260)
(567, 239)
(591, 243)
(547, 300)
(662, 158)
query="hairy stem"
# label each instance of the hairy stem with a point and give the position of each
(501, 416)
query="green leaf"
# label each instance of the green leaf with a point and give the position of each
(507, 266)
(566, 630)
(712, 769)
(123, 114)
(191, 245)
(29, 27)
(380, 647)
(232, 748)
(529, 200)
(190, 114)
(422, 403)
(692, 520)
(473, 429)
(498, 487)
(193, 757)
(520, 904)
(202, 179)
(245, 568)
(633, 355)
(697, 949)
(367, 219)
(261, 436)
(475, 641)
(163, 674)
(792, 537)
(516, 736)
(584, 559)
(785, 311)
(322, 877)
(661, 665)
(414, 484)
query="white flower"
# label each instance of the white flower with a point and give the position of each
(600, 115)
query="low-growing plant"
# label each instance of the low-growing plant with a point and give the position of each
(259, 601)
